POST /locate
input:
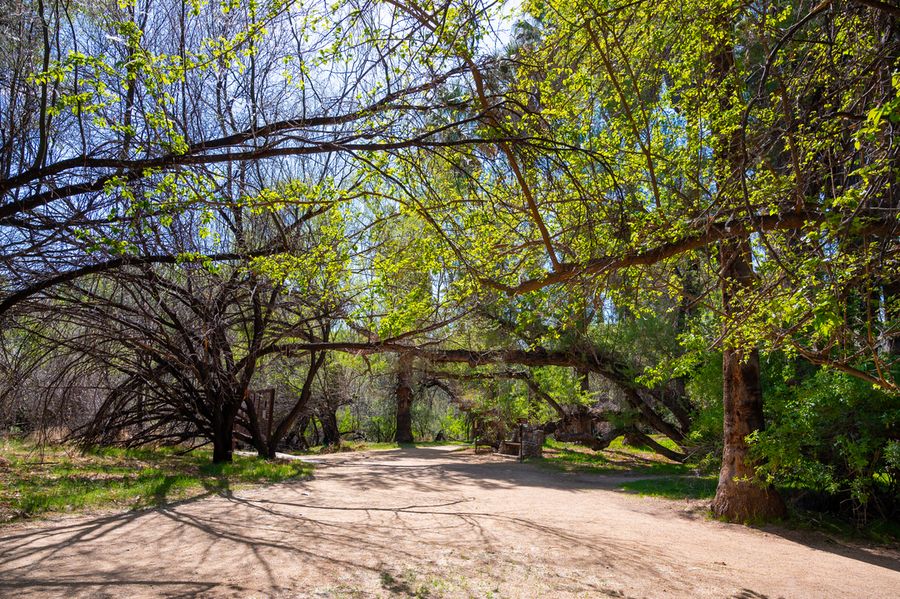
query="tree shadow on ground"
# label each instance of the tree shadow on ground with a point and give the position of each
(422, 513)
(498, 472)
(881, 556)
(324, 534)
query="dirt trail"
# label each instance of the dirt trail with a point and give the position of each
(429, 522)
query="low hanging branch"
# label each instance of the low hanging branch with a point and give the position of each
(595, 360)
(712, 233)
(71, 275)
(512, 375)
(595, 442)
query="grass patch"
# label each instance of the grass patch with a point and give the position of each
(674, 487)
(618, 458)
(37, 480)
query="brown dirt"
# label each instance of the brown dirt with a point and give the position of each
(429, 522)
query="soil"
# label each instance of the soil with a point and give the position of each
(433, 522)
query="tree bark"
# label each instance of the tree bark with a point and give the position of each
(650, 442)
(738, 496)
(331, 436)
(257, 438)
(223, 435)
(268, 447)
(404, 394)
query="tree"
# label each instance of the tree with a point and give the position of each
(183, 342)
(122, 117)
(676, 131)
(404, 393)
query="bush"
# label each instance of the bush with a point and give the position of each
(831, 434)
(379, 428)
(705, 391)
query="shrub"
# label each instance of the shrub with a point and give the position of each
(831, 434)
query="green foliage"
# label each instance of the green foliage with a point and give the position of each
(563, 385)
(379, 428)
(705, 390)
(833, 434)
(453, 425)
(345, 420)
(625, 133)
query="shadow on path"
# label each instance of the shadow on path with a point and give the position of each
(363, 511)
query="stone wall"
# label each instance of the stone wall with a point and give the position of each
(532, 442)
(531, 439)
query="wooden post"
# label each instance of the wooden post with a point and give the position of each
(521, 442)
(271, 415)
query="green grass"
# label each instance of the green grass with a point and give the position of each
(674, 487)
(38, 480)
(618, 458)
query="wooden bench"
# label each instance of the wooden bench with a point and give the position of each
(511, 448)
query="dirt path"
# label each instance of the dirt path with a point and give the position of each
(428, 522)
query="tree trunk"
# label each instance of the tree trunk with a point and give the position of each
(404, 433)
(650, 417)
(646, 440)
(674, 397)
(258, 438)
(331, 436)
(283, 427)
(738, 496)
(222, 439)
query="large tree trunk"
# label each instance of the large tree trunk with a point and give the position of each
(331, 436)
(739, 497)
(404, 433)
